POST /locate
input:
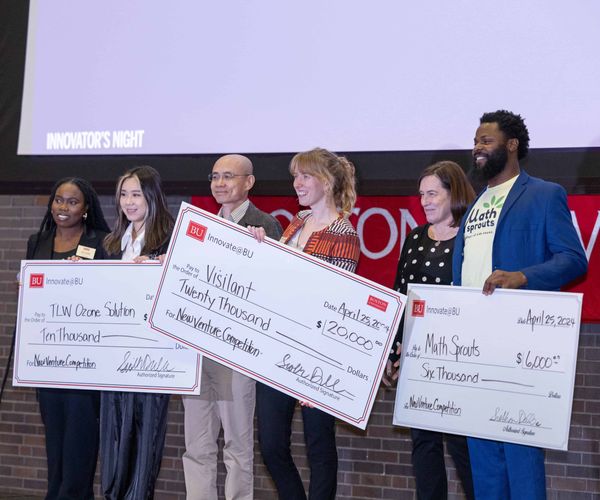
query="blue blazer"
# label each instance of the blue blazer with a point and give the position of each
(534, 235)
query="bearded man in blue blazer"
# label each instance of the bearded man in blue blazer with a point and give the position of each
(517, 234)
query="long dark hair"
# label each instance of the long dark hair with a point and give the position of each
(95, 217)
(159, 221)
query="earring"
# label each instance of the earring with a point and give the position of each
(85, 216)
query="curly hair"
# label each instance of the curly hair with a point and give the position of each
(333, 169)
(159, 221)
(512, 126)
(95, 216)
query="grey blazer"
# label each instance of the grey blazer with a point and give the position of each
(256, 217)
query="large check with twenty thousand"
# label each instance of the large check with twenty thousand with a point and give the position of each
(284, 318)
(498, 367)
(82, 325)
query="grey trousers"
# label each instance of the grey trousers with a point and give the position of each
(227, 400)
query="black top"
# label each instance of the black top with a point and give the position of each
(41, 245)
(424, 261)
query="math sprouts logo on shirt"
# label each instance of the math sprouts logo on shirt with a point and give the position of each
(36, 281)
(196, 231)
(494, 202)
(480, 219)
(418, 308)
(485, 215)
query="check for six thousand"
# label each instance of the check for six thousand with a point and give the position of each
(498, 367)
(284, 318)
(82, 325)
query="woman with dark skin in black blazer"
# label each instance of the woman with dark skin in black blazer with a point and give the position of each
(72, 228)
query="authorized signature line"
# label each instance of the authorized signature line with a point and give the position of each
(169, 371)
(520, 424)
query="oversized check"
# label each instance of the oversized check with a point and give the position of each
(284, 318)
(82, 325)
(498, 367)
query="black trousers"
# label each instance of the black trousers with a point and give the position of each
(275, 411)
(430, 467)
(71, 425)
(132, 434)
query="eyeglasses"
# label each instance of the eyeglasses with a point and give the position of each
(226, 176)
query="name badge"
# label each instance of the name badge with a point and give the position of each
(85, 252)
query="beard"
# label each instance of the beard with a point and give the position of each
(494, 164)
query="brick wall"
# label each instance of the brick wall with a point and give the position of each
(373, 464)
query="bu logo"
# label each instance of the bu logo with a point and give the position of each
(418, 308)
(36, 281)
(196, 231)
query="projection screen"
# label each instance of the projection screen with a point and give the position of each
(187, 77)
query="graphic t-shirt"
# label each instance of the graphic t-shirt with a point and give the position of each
(480, 229)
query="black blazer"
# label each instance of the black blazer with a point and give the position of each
(40, 245)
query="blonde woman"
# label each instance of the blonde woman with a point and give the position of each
(325, 183)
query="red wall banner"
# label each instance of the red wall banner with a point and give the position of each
(585, 210)
(383, 222)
